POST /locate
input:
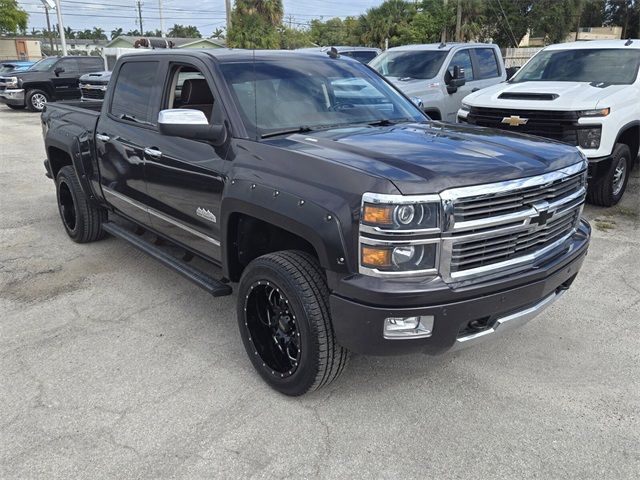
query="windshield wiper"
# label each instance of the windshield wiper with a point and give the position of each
(300, 129)
(386, 122)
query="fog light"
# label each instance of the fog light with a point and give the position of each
(589, 137)
(398, 328)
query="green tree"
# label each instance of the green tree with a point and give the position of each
(218, 33)
(182, 31)
(12, 17)
(116, 32)
(69, 33)
(256, 24)
(98, 34)
(292, 38)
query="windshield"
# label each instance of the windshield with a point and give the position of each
(312, 93)
(43, 65)
(423, 64)
(609, 66)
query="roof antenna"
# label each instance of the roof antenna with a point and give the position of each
(333, 53)
(442, 45)
(628, 42)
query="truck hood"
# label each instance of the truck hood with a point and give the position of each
(430, 157)
(568, 96)
(96, 77)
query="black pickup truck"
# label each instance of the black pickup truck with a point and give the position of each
(51, 79)
(349, 219)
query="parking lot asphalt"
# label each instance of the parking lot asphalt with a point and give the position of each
(113, 366)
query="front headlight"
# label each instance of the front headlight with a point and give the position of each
(400, 214)
(404, 257)
(11, 82)
(399, 235)
(465, 107)
(600, 112)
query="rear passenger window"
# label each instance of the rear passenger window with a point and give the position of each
(487, 63)
(132, 95)
(70, 65)
(463, 60)
(88, 65)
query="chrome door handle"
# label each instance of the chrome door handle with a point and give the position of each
(102, 137)
(152, 152)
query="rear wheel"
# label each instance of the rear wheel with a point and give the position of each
(285, 324)
(36, 100)
(16, 107)
(81, 219)
(608, 190)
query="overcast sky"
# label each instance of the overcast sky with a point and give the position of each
(207, 15)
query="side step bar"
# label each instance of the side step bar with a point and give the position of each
(210, 284)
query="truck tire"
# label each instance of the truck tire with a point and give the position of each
(36, 100)
(285, 323)
(16, 107)
(81, 219)
(608, 190)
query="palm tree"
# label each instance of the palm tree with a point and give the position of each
(98, 34)
(116, 32)
(69, 33)
(271, 10)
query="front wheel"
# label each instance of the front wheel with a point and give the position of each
(608, 190)
(285, 323)
(36, 100)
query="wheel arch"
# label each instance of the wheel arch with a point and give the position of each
(293, 223)
(630, 136)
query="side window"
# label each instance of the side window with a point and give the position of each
(70, 65)
(364, 56)
(88, 65)
(463, 60)
(189, 89)
(132, 95)
(487, 63)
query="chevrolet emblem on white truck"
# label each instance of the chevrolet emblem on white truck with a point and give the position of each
(515, 121)
(206, 214)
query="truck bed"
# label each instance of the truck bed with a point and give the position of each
(71, 120)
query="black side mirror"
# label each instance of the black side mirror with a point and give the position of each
(456, 80)
(58, 71)
(192, 124)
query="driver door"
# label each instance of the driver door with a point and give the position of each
(462, 59)
(65, 83)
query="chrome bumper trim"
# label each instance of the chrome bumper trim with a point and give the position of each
(13, 94)
(507, 323)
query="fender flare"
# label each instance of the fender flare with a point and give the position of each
(308, 220)
(79, 149)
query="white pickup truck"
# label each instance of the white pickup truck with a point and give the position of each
(586, 94)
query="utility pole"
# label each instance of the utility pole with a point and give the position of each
(459, 22)
(49, 32)
(63, 40)
(161, 20)
(227, 4)
(140, 17)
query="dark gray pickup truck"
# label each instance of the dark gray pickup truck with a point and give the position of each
(349, 219)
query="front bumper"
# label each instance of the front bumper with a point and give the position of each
(499, 305)
(12, 96)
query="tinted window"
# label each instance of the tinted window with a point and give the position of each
(89, 64)
(409, 63)
(44, 65)
(608, 66)
(363, 55)
(279, 95)
(462, 59)
(487, 63)
(70, 65)
(132, 95)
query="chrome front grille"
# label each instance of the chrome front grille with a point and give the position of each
(479, 253)
(485, 206)
(509, 225)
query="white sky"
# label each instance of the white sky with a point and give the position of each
(207, 15)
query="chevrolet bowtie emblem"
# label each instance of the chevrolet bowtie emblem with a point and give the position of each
(515, 121)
